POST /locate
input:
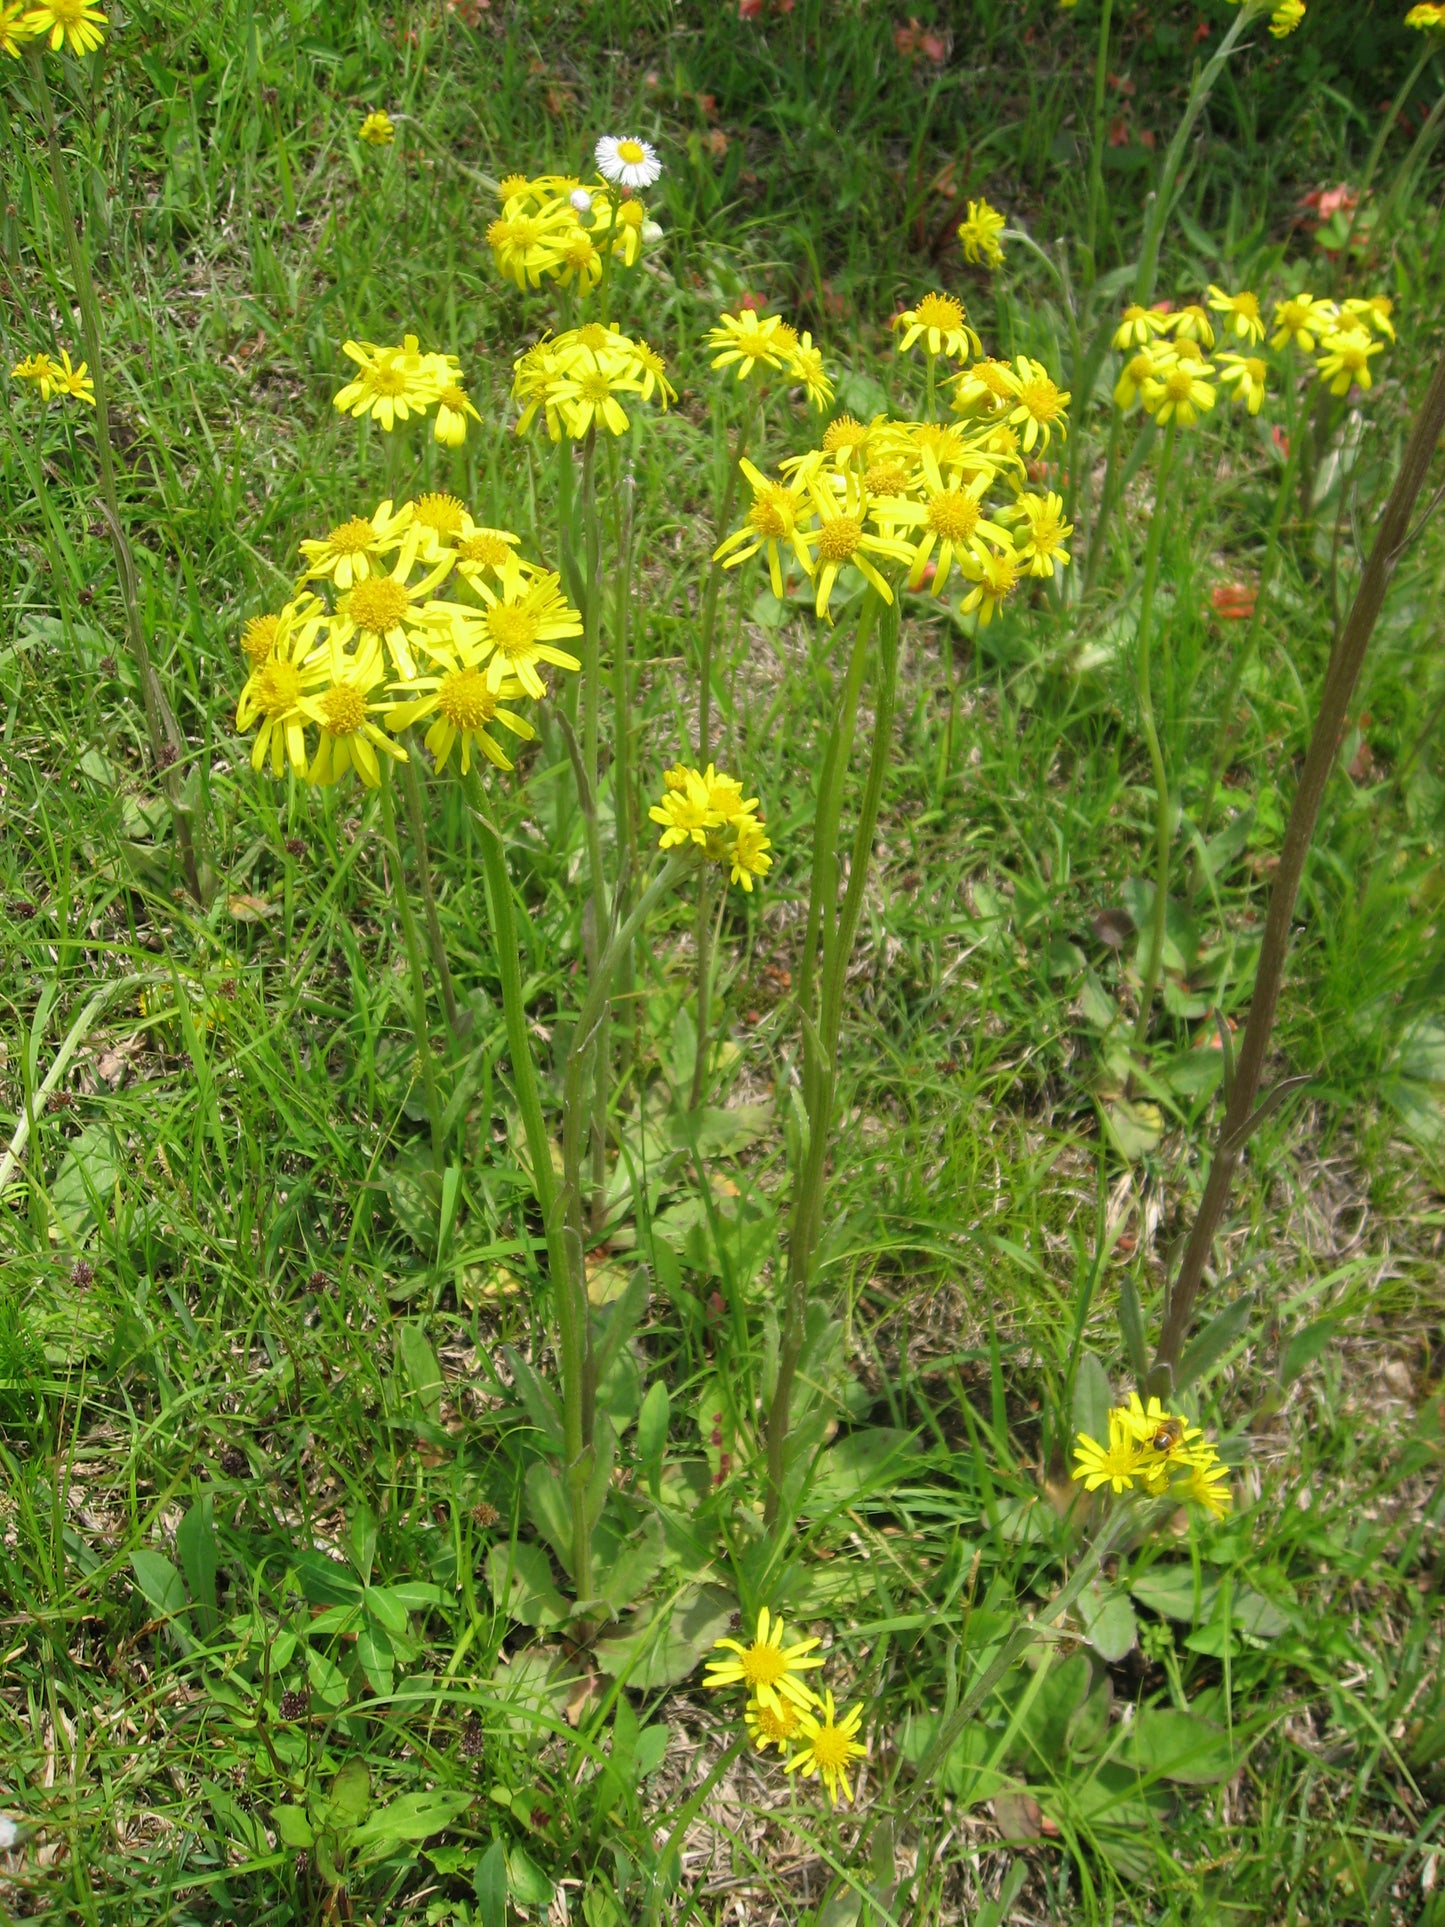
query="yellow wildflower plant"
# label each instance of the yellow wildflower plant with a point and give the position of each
(1041, 404)
(772, 1726)
(1427, 18)
(51, 377)
(1178, 393)
(1149, 1446)
(806, 366)
(841, 535)
(523, 621)
(941, 323)
(1376, 311)
(489, 555)
(392, 608)
(774, 521)
(13, 31)
(949, 516)
(258, 638)
(994, 578)
(271, 697)
(1286, 16)
(1240, 313)
(988, 388)
(771, 1671)
(1246, 376)
(651, 370)
(1115, 1464)
(454, 409)
(1344, 360)
(1138, 326)
(705, 809)
(747, 856)
(263, 634)
(575, 379)
(979, 232)
(1191, 323)
(349, 552)
(1041, 533)
(463, 700)
(829, 1746)
(377, 129)
(438, 524)
(347, 736)
(748, 342)
(1208, 1485)
(1149, 364)
(67, 23)
(1301, 320)
(390, 384)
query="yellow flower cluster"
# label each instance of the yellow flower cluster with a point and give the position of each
(393, 384)
(979, 232)
(706, 809)
(66, 23)
(53, 377)
(377, 650)
(377, 130)
(1430, 16)
(782, 1710)
(558, 227)
(1152, 1448)
(574, 380)
(752, 343)
(1168, 370)
(1284, 15)
(918, 495)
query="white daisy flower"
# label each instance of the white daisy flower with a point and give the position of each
(627, 162)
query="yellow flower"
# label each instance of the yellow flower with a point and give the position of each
(1043, 533)
(1286, 17)
(37, 368)
(68, 22)
(1148, 365)
(13, 31)
(1192, 323)
(988, 387)
(748, 856)
(1246, 375)
(769, 1669)
(1427, 17)
(74, 382)
(391, 384)
(844, 439)
(771, 1726)
(1240, 311)
(377, 129)
(1300, 319)
(1139, 326)
(747, 340)
(463, 699)
(438, 524)
(346, 555)
(686, 814)
(258, 638)
(951, 517)
(521, 623)
(489, 553)
(1115, 1465)
(453, 408)
(1178, 394)
(994, 577)
(829, 1744)
(524, 242)
(1040, 403)
(388, 607)
(273, 691)
(576, 258)
(771, 522)
(652, 374)
(979, 232)
(348, 738)
(1208, 1486)
(841, 535)
(1345, 359)
(1374, 311)
(805, 364)
(941, 322)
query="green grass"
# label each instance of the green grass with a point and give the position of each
(227, 1345)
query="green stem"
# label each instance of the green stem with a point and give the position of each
(623, 489)
(412, 787)
(1096, 149)
(702, 938)
(930, 391)
(167, 745)
(838, 941)
(570, 1302)
(1106, 501)
(414, 967)
(1163, 806)
(591, 734)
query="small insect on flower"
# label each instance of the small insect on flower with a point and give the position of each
(627, 161)
(771, 1671)
(378, 129)
(72, 23)
(829, 1745)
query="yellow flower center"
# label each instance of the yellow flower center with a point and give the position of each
(352, 537)
(778, 1725)
(69, 13)
(594, 387)
(786, 335)
(277, 687)
(1179, 384)
(513, 628)
(843, 433)
(258, 638)
(1353, 351)
(1041, 400)
(524, 232)
(763, 1665)
(631, 151)
(887, 478)
(490, 550)
(388, 377)
(939, 311)
(465, 700)
(771, 516)
(443, 513)
(632, 214)
(379, 603)
(830, 1748)
(344, 709)
(838, 539)
(578, 250)
(1140, 368)
(1044, 532)
(757, 342)
(499, 233)
(512, 184)
(454, 398)
(594, 337)
(1246, 305)
(999, 575)
(953, 515)
(993, 377)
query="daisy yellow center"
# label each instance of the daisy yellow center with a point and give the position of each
(1179, 384)
(838, 539)
(512, 628)
(594, 387)
(498, 233)
(1045, 533)
(1000, 574)
(378, 604)
(632, 214)
(631, 151)
(1041, 400)
(388, 378)
(490, 550)
(465, 700)
(887, 478)
(443, 513)
(1246, 305)
(454, 397)
(344, 709)
(994, 378)
(277, 687)
(778, 1725)
(757, 342)
(786, 335)
(352, 537)
(843, 433)
(830, 1748)
(524, 232)
(69, 13)
(513, 184)
(763, 1665)
(939, 311)
(770, 517)
(258, 638)
(1354, 351)
(953, 515)
(578, 251)
(594, 337)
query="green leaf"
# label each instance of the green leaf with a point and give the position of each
(625, 1571)
(1170, 1591)
(663, 1644)
(549, 1511)
(860, 1463)
(86, 1179)
(326, 1582)
(1134, 1126)
(528, 1885)
(350, 1797)
(522, 1585)
(1131, 1327)
(412, 1816)
(1176, 1746)
(422, 1369)
(1109, 1624)
(538, 1399)
(1220, 1335)
(293, 1829)
(490, 1885)
(377, 1658)
(1305, 1347)
(199, 1556)
(159, 1581)
(1093, 1396)
(652, 1424)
